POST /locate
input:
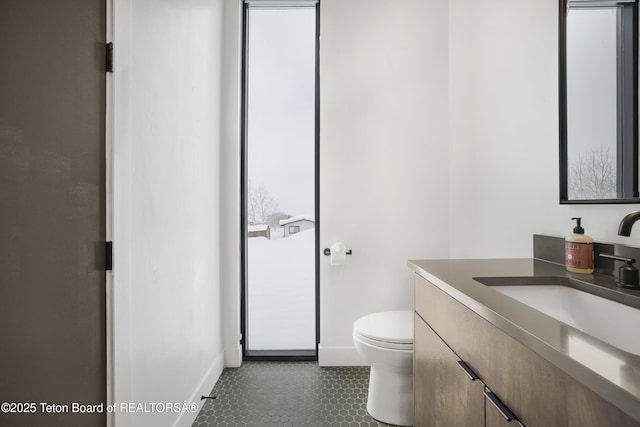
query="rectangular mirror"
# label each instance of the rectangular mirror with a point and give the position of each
(598, 101)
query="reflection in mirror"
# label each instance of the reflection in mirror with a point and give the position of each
(599, 98)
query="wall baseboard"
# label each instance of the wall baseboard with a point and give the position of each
(186, 419)
(233, 357)
(339, 356)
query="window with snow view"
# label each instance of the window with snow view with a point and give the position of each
(279, 170)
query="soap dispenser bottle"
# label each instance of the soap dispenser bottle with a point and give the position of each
(579, 250)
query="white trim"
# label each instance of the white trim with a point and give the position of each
(120, 316)
(187, 418)
(230, 176)
(233, 357)
(339, 356)
(280, 3)
(109, 220)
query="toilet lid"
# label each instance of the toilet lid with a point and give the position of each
(387, 326)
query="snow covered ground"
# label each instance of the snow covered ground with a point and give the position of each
(281, 292)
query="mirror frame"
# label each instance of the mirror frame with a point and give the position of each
(562, 86)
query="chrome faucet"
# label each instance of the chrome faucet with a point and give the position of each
(627, 223)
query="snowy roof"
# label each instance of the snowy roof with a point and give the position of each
(297, 218)
(258, 227)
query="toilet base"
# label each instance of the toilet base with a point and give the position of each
(390, 398)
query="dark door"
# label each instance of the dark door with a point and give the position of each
(52, 211)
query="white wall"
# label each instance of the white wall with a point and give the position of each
(230, 180)
(383, 157)
(439, 138)
(503, 125)
(168, 334)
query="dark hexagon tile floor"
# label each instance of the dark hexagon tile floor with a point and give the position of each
(289, 394)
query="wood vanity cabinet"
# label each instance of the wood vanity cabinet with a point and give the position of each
(454, 395)
(451, 398)
(537, 392)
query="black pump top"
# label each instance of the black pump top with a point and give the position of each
(577, 229)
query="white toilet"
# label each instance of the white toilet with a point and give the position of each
(385, 340)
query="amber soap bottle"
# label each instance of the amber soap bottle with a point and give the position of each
(579, 250)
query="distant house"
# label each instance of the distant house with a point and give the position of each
(260, 230)
(296, 224)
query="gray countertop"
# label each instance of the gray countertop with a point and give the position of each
(610, 372)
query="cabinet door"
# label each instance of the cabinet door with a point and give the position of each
(444, 394)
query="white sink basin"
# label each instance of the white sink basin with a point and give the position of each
(614, 323)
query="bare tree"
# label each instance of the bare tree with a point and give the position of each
(261, 204)
(593, 176)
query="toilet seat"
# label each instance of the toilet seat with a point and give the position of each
(382, 344)
(387, 329)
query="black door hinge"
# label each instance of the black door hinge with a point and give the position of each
(108, 256)
(109, 57)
